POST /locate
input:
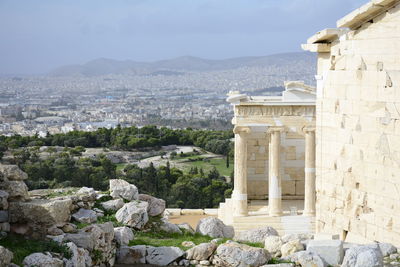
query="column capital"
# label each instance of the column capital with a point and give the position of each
(272, 129)
(309, 128)
(241, 130)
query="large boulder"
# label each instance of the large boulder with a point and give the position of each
(131, 255)
(291, 247)
(98, 239)
(363, 256)
(156, 205)
(123, 235)
(17, 190)
(387, 249)
(40, 214)
(80, 257)
(12, 173)
(42, 260)
(306, 259)
(122, 189)
(273, 245)
(6, 256)
(133, 214)
(331, 251)
(214, 227)
(113, 205)
(85, 216)
(86, 194)
(235, 254)
(201, 252)
(163, 255)
(257, 235)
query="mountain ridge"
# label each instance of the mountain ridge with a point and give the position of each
(105, 66)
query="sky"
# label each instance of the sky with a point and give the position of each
(40, 35)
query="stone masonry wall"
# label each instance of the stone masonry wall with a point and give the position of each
(358, 133)
(292, 165)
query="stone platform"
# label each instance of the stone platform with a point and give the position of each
(292, 221)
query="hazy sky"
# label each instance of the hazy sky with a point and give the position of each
(38, 35)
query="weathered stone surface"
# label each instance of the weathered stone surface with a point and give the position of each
(42, 260)
(279, 265)
(40, 214)
(387, 249)
(273, 245)
(54, 231)
(3, 216)
(133, 214)
(256, 235)
(123, 235)
(79, 257)
(291, 247)
(156, 205)
(188, 244)
(69, 228)
(87, 194)
(363, 256)
(6, 256)
(122, 189)
(200, 252)
(170, 227)
(186, 227)
(12, 172)
(96, 237)
(163, 255)
(113, 205)
(235, 254)
(215, 228)
(85, 216)
(17, 190)
(3, 200)
(204, 263)
(331, 251)
(307, 259)
(131, 255)
(301, 237)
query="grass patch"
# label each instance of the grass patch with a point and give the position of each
(160, 239)
(208, 164)
(277, 261)
(121, 166)
(22, 247)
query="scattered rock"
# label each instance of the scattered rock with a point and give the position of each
(42, 260)
(123, 235)
(87, 194)
(3, 200)
(163, 255)
(331, 251)
(3, 216)
(6, 256)
(279, 265)
(188, 244)
(201, 252)
(235, 254)
(122, 189)
(256, 235)
(186, 227)
(113, 205)
(69, 228)
(79, 257)
(363, 256)
(204, 262)
(387, 249)
(85, 216)
(214, 227)
(273, 245)
(170, 227)
(306, 259)
(291, 247)
(131, 255)
(133, 214)
(54, 231)
(184, 262)
(156, 205)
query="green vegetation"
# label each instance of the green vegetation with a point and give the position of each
(22, 247)
(160, 238)
(127, 139)
(207, 164)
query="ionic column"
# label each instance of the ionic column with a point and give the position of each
(275, 187)
(309, 172)
(239, 194)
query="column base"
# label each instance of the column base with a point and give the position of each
(239, 205)
(309, 213)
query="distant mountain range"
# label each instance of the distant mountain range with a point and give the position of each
(180, 65)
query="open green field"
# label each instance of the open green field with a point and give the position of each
(207, 164)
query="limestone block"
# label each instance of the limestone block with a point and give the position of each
(331, 251)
